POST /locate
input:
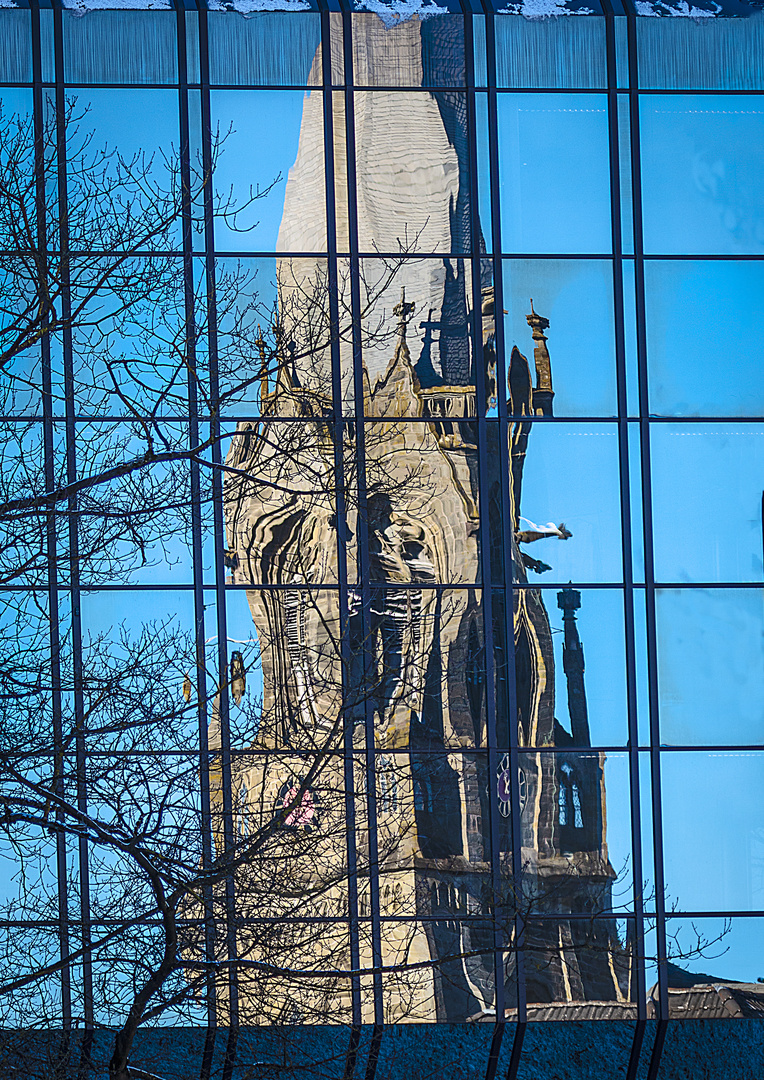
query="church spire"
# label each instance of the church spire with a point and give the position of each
(569, 601)
(543, 392)
(404, 311)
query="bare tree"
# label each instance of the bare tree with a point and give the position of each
(103, 474)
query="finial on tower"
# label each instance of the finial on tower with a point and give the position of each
(404, 312)
(260, 342)
(542, 392)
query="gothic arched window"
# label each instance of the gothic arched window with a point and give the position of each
(570, 798)
(388, 785)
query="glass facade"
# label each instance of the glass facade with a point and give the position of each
(383, 553)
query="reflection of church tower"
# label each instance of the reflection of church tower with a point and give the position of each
(415, 658)
(412, 191)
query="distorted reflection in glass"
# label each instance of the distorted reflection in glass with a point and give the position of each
(268, 50)
(600, 651)
(707, 508)
(555, 182)
(711, 665)
(570, 523)
(702, 168)
(576, 295)
(417, 336)
(412, 177)
(286, 126)
(576, 831)
(714, 969)
(408, 52)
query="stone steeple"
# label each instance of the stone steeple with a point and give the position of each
(569, 601)
(543, 392)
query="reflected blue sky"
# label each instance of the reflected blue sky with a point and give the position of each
(555, 182)
(571, 476)
(712, 834)
(707, 502)
(705, 327)
(261, 148)
(711, 666)
(702, 163)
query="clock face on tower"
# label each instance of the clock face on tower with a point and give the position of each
(303, 814)
(504, 787)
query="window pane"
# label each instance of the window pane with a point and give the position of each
(269, 48)
(133, 528)
(411, 169)
(715, 969)
(129, 139)
(732, 843)
(707, 490)
(576, 296)
(544, 140)
(130, 47)
(591, 632)
(711, 666)
(702, 167)
(550, 53)
(568, 477)
(260, 304)
(408, 52)
(426, 333)
(693, 371)
(573, 967)
(576, 832)
(700, 53)
(15, 50)
(286, 176)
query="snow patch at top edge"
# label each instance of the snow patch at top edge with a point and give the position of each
(400, 11)
(249, 7)
(543, 9)
(80, 7)
(681, 9)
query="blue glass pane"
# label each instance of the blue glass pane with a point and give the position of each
(707, 509)
(576, 296)
(549, 53)
(711, 666)
(701, 53)
(728, 844)
(555, 183)
(570, 477)
(702, 170)
(271, 137)
(15, 46)
(705, 322)
(279, 48)
(120, 47)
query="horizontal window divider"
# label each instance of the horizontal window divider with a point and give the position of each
(171, 586)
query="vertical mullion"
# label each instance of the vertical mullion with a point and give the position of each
(483, 516)
(196, 530)
(362, 519)
(507, 531)
(626, 542)
(73, 538)
(644, 423)
(340, 509)
(219, 525)
(50, 527)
